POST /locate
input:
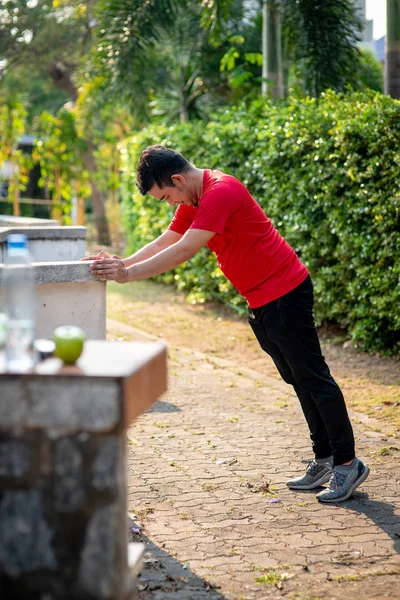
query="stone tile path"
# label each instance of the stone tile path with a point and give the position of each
(206, 473)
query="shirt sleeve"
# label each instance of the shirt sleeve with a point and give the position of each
(215, 208)
(182, 220)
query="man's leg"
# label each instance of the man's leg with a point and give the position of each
(319, 471)
(290, 325)
(318, 434)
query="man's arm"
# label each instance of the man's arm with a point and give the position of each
(165, 240)
(169, 258)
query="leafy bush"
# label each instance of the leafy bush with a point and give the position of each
(326, 172)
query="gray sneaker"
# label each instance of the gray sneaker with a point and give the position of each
(318, 472)
(344, 481)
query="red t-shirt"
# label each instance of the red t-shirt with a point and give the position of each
(250, 252)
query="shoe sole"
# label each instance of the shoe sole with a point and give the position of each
(359, 481)
(324, 479)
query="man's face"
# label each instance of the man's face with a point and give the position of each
(180, 193)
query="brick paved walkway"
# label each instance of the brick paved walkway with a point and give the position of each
(206, 473)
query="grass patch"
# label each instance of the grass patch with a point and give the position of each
(271, 578)
(347, 578)
(387, 451)
(381, 406)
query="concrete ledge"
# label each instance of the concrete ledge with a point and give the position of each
(58, 404)
(63, 272)
(59, 272)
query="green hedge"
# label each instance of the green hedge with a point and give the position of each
(326, 171)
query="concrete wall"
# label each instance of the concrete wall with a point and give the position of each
(67, 294)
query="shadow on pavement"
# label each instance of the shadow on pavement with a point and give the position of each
(163, 407)
(381, 513)
(164, 576)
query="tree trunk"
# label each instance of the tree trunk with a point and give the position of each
(80, 205)
(56, 211)
(392, 59)
(14, 192)
(183, 113)
(62, 79)
(116, 203)
(271, 45)
(98, 204)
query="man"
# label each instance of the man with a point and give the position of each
(216, 210)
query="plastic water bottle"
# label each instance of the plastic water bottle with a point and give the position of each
(19, 305)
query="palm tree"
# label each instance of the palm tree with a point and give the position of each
(271, 49)
(321, 36)
(179, 76)
(157, 55)
(392, 62)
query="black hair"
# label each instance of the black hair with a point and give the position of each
(156, 166)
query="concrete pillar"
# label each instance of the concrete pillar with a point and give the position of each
(63, 515)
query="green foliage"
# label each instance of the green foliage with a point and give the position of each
(59, 151)
(36, 92)
(240, 66)
(371, 73)
(319, 44)
(326, 172)
(12, 126)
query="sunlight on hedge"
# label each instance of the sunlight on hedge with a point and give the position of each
(326, 172)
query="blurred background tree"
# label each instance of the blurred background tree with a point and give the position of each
(12, 126)
(126, 63)
(59, 152)
(51, 43)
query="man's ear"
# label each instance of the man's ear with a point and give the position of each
(178, 179)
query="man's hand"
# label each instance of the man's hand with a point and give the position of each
(101, 254)
(109, 268)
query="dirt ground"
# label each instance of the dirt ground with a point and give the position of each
(371, 383)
